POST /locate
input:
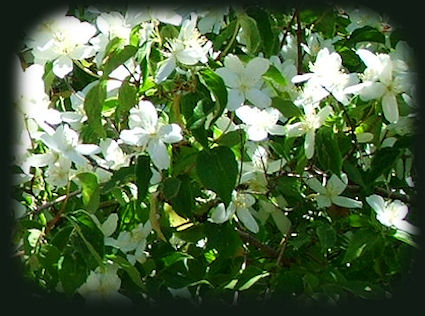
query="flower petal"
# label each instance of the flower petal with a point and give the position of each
(219, 214)
(62, 66)
(166, 68)
(390, 107)
(309, 144)
(235, 99)
(170, 133)
(159, 154)
(258, 98)
(230, 78)
(376, 202)
(346, 202)
(256, 67)
(247, 219)
(136, 136)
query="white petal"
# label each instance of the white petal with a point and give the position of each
(346, 202)
(234, 64)
(165, 69)
(258, 98)
(323, 201)
(316, 185)
(219, 214)
(335, 185)
(369, 58)
(109, 226)
(62, 66)
(256, 133)
(135, 137)
(301, 78)
(159, 154)
(170, 133)
(256, 67)
(235, 99)
(390, 107)
(407, 227)
(294, 130)
(88, 149)
(230, 78)
(372, 90)
(376, 202)
(144, 116)
(76, 157)
(247, 114)
(309, 144)
(247, 219)
(324, 113)
(41, 160)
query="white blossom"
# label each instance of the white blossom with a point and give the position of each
(260, 123)
(189, 48)
(307, 126)
(391, 214)
(241, 205)
(147, 130)
(330, 193)
(244, 82)
(61, 39)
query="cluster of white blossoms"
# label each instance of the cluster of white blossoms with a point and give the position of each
(50, 127)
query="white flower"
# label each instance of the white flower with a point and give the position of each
(114, 157)
(307, 126)
(254, 172)
(65, 142)
(62, 39)
(146, 130)
(327, 75)
(32, 100)
(189, 48)
(330, 193)
(213, 20)
(260, 123)
(380, 82)
(391, 214)
(244, 82)
(241, 205)
(103, 286)
(58, 173)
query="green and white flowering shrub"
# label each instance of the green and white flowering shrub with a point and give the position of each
(214, 154)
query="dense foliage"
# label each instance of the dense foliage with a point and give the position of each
(215, 155)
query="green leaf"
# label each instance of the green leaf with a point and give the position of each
(120, 177)
(290, 188)
(89, 240)
(127, 98)
(361, 240)
(143, 176)
(282, 221)
(170, 187)
(72, 272)
(366, 34)
(270, 40)
(90, 191)
(275, 76)
(224, 35)
(327, 150)
(217, 169)
(132, 272)
(252, 35)
(224, 238)
(382, 162)
(116, 58)
(93, 104)
(249, 277)
(286, 107)
(232, 138)
(354, 173)
(326, 234)
(215, 84)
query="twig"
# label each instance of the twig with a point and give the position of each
(299, 39)
(255, 242)
(58, 200)
(287, 29)
(384, 193)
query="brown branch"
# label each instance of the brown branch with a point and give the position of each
(58, 200)
(299, 39)
(255, 242)
(282, 43)
(384, 193)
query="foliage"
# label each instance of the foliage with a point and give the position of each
(219, 155)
